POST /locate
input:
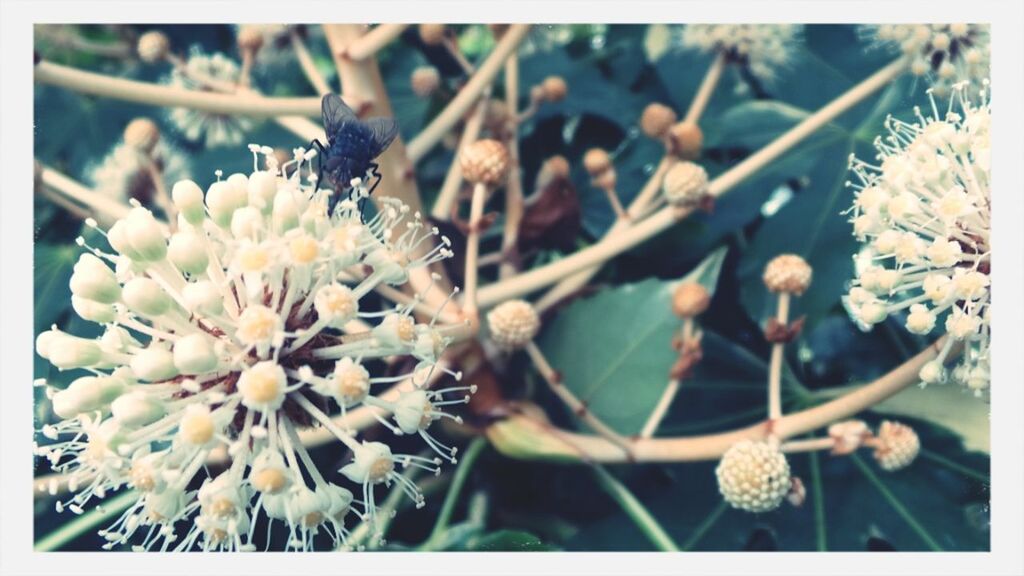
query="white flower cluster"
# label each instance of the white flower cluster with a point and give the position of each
(924, 214)
(762, 48)
(944, 53)
(223, 337)
(197, 125)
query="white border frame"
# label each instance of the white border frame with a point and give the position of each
(16, 330)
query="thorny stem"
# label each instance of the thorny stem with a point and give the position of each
(370, 43)
(468, 95)
(514, 206)
(309, 69)
(453, 178)
(660, 221)
(775, 365)
(707, 87)
(476, 213)
(476, 447)
(635, 510)
(247, 104)
(521, 438)
(575, 405)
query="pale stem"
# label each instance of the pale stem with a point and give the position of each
(775, 366)
(660, 221)
(160, 194)
(302, 127)
(706, 89)
(574, 404)
(470, 93)
(635, 510)
(69, 38)
(204, 80)
(399, 297)
(613, 199)
(636, 209)
(658, 414)
(514, 185)
(533, 441)
(247, 104)
(245, 72)
(807, 445)
(67, 204)
(476, 213)
(71, 189)
(442, 210)
(309, 69)
(370, 43)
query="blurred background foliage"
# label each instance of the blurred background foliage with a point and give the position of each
(939, 503)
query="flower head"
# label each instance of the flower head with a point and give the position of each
(923, 214)
(195, 125)
(224, 336)
(761, 48)
(753, 476)
(945, 54)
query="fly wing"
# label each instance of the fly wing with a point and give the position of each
(335, 113)
(384, 131)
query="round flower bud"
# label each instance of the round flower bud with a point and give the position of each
(93, 280)
(432, 34)
(897, 445)
(145, 236)
(92, 310)
(262, 188)
(249, 38)
(187, 251)
(484, 161)
(87, 394)
(787, 273)
(554, 88)
(596, 161)
(263, 386)
(656, 120)
(203, 298)
(685, 184)
(137, 409)
(920, 320)
(144, 296)
(154, 364)
(195, 354)
(142, 134)
(188, 199)
(513, 324)
(690, 299)
(246, 222)
(753, 476)
(686, 139)
(153, 46)
(67, 352)
(372, 463)
(222, 199)
(336, 304)
(932, 373)
(425, 80)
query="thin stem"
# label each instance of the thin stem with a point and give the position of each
(955, 466)
(575, 405)
(706, 89)
(612, 246)
(700, 531)
(658, 414)
(818, 494)
(452, 497)
(370, 43)
(309, 69)
(514, 207)
(476, 213)
(71, 189)
(775, 365)
(247, 104)
(442, 210)
(635, 510)
(468, 95)
(613, 199)
(67, 532)
(896, 505)
(807, 445)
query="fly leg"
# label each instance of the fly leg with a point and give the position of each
(372, 169)
(320, 162)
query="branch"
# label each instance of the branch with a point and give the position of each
(520, 437)
(316, 79)
(707, 87)
(663, 219)
(370, 43)
(446, 198)
(463, 101)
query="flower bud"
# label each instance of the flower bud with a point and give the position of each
(153, 46)
(195, 354)
(897, 446)
(249, 38)
(690, 299)
(656, 120)
(432, 34)
(285, 215)
(787, 273)
(554, 88)
(246, 222)
(513, 324)
(262, 187)
(144, 296)
(685, 184)
(142, 134)
(203, 298)
(137, 409)
(596, 161)
(484, 161)
(187, 252)
(425, 81)
(686, 140)
(87, 394)
(145, 235)
(222, 199)
(93, 311)
(67, 352)
(753, 476)
(154, 364)
(94, 280)
(932, 373)
(188, 199)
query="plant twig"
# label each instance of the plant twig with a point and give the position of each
(636, 511)
(702, 529)
(707, 87)
(476, 213)
(818, 494)
(514, 207)
(453, 178)
(807, 445)
(309, 69)
(370, 43)
(775, 364)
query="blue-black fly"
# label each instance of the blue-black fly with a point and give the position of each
(352, 146)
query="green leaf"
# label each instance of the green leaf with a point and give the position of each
(508, 541)
(614, 348)
(53, 264)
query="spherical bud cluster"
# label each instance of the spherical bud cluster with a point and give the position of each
(425, 80)
(762, 49)
(753, 476)
(656, 120)
(142, 134)
(153, 46)
(690, 299)
(599, 165)
(226, 337)
(686, 140)
(685, 184)
(484, 162)
(513, 324)
(432, 34)
(787, 273)
(249, 38)
(896, 445)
